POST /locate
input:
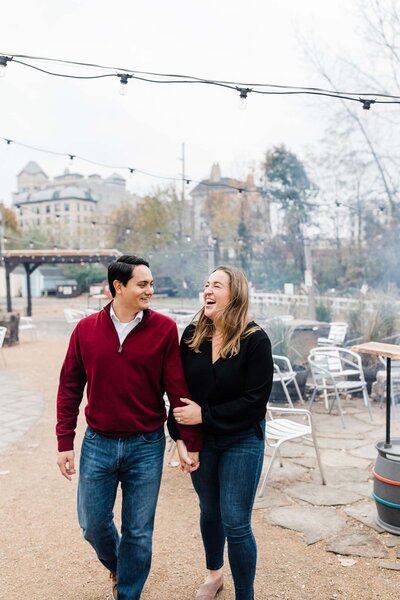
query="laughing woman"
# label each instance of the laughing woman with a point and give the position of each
(228, 366)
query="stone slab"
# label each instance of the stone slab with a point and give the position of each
(272, 498)
(365, 512)
(332, 425)
(321, 495)
(338, 443)
(340, 458)
(391, 541)
(363, 488)
(289, 471)
(386, 564)
(369, 452)
(357, 544)
(316, 523)
(338, 476)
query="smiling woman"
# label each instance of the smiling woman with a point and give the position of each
(228, 367)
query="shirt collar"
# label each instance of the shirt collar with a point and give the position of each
(114, 317)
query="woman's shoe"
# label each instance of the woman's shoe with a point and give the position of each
(208, 591)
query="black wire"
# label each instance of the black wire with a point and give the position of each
(193, 79)
(63, 74)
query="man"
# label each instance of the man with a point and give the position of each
(128, 355)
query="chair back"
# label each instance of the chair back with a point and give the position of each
(337, 332)
(3, 331)
(73, 316)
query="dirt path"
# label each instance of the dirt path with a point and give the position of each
(43, 557)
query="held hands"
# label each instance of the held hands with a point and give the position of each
(66, 463)
(189, 460)
(188, 415)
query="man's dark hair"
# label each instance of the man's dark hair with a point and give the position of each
(122, 270)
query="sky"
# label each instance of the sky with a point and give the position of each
(252, 41)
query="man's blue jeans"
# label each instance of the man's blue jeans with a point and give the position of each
(136, 462)
(226, 483)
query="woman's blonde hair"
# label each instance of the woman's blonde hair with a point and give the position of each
(233, 319)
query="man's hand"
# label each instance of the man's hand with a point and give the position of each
(188, 415)
(66, 463)
(189, 460)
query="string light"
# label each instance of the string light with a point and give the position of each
(130, 170)
(244, 88)
(3, 64)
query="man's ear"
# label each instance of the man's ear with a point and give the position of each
(117, 286)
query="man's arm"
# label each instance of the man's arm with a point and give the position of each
(69, 397)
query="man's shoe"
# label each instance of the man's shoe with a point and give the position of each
(113, 578)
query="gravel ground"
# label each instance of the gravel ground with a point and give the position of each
(43, 557)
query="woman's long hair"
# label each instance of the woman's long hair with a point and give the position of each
(233, 319)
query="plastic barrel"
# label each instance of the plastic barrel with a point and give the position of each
(387, 486)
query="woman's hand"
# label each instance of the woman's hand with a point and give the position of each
(189, 460)
(188, 415)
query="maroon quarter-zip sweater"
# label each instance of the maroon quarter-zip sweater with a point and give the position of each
(125, 383)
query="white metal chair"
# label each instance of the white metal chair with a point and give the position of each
(285, 374)
(336, 335)
(335, 372)
(394, 381)
(281, 430)
(27, 324)
(72, 317)
(3, 331)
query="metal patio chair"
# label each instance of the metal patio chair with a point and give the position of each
(285, 375)
(3, 331)
(280, 430)
(336, 335)
(337, 372)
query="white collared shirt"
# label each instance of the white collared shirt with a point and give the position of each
(124, 328)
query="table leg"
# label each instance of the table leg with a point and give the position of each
(388, 401)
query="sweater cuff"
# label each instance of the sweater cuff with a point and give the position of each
(66, 442)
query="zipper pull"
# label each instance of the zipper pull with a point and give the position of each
(120, 349)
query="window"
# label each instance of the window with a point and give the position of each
(66, 207)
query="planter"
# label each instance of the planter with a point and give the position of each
(11, 322)
(370, 376)
(277, 393)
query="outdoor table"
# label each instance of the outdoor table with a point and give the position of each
(387, 467)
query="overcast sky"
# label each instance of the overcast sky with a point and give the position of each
(255, 41)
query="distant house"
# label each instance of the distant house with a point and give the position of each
(45, 280)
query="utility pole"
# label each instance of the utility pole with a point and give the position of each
(309, 279)
(183, 173)
(2, 224)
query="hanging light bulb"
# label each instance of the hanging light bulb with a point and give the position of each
(366, 103)
(243, 97)
(123, 88)
(3, 63)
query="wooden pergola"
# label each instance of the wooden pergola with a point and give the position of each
(32, 259)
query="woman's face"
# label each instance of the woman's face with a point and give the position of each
(217, 294)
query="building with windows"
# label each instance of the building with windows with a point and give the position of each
(71, 209)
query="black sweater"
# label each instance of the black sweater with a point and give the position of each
(233, 392)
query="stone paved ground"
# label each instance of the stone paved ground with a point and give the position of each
(314, 542)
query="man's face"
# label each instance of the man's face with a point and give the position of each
(138, 291)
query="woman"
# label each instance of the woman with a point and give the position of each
(228, 366)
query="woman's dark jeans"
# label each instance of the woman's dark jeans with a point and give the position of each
(226, 483)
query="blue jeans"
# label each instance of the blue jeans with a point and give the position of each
(226, 483)
(136, 462)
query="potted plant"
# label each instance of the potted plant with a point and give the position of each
(280, 332)
(373, 324)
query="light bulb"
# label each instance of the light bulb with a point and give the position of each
(3, 69)
(242, 103)
(123, 88)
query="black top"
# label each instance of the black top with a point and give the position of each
(233, 392)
